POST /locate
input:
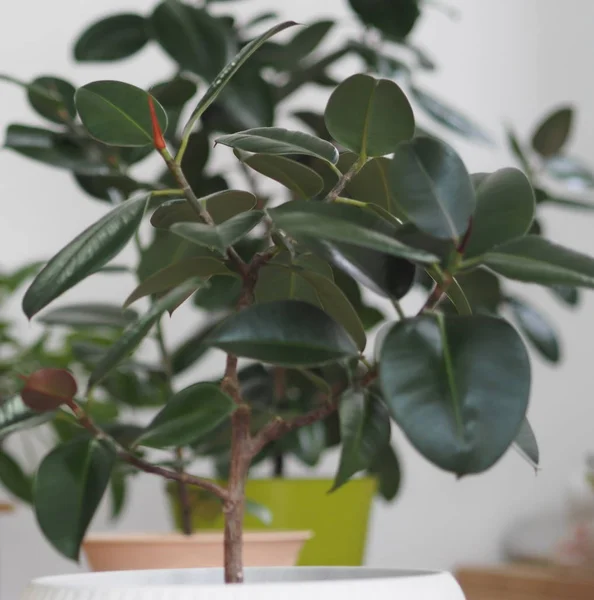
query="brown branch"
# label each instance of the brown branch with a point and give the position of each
(127, 456)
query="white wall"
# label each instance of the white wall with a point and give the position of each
(506, 60)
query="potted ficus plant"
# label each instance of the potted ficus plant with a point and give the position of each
(457, 385)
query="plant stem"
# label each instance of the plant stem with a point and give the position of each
(343, 181)
(183, 497)
(234, 507)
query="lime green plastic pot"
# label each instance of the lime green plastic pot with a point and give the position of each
(339, 521)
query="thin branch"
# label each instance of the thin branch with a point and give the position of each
(127, 456)
(344, 180)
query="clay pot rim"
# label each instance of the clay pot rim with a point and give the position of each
(272, 536)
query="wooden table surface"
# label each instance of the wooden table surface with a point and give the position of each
(526, 583)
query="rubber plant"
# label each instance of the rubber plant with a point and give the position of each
(457, 385)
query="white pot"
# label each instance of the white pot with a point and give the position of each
(322, 583)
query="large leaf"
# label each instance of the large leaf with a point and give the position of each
(69, 485)
(85, 255)
(202, 267)
(448, 116)
(364, 432)
(552, 134)
(282, 280)
(137, 331)
(52, 98)
(539, 332)
(89, 315)
(196, 40)
(14, 479)
(395, 18)
(526, 444)
(117, 113)
(504, 211)
(346, 224)
(16, 416)
(535, 260)
(369, 116)
(189, 415)
(219, 237)
(457, 386)
(299, 178)
(226, 75)
(286, 333)
(278, 141)
(112, 38)
(54, 148)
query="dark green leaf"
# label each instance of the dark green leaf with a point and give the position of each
(387, 470)
(55, 149)
(137, 331)
(286, 333)
(69, 486)
(201, 268)
(85, 255)
(14, 479)
(537, 330)
(222, 293)
(188, 416)
(343, 223)
(219, 237)
(195, 40)
(364, 431)
(394, 18)
(518, 151)
(369, 116)
(457, 386)
(535, 260)
(89, 315)
(191, 350)
(173, 95)
(52, 98)
(504, 210)
(449, 116)
(306, 40)
(277, 141)
(15, 416)
(113, 188)
(299, 178)
(311, 443)
(526, 444)
(482, 289)
(112, 38)
(433, 188)
(552, 134)
(567, 294)
(118, 492)
(117, 113)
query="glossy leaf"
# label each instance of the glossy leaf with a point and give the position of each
(52, 98)
(364, 432)
(449, 117)
(85, 255)
(527, 446)
(535, 260)
(395, 18)
(457, 386)
(89, 315)
(504, 210)
(53, 148)
(342, 223)
(137, 331)
(189, 415)
(539, 332)
(279, 142)
(219, 237)
(113, 38)
(69, 486)
(14, 479)
(386, 468)
(16, 416)
(369, 116)
(299, 178)
(117, 113)
(226, 75)
(433, 187)
(195, 40)
(201, 268)
(275, 333)
(552, 134)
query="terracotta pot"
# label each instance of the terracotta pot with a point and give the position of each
(126, 552)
